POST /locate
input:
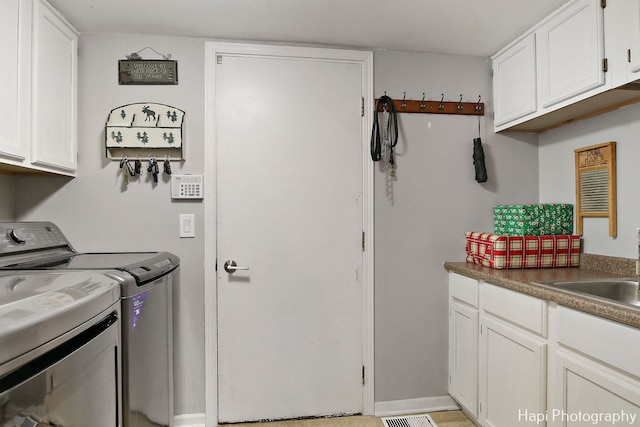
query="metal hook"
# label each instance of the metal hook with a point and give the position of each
(422, 104)
(441, 106)
(478, 107)
(404, 103)
(459, 106)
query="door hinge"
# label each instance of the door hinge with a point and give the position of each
(605, 65)
(628, 55)
(218, 59)
(480, 329)
(362, 106)
(603, 3)
(363, 241)
(362, 374)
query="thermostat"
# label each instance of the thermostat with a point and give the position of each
(186, 187)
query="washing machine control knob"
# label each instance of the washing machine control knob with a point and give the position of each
(16, 236)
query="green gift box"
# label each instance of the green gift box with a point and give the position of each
(533, 220)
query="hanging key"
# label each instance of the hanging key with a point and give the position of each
(167, 167)
(153, 169)
(137, 167)
(130, 168)
(125, 176)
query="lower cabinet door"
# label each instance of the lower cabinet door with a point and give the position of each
(585, 392)
(463, 355)
(513, 367)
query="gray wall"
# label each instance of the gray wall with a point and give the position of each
(97, 213)
(436, 199)
(557, 175)
(6, 198)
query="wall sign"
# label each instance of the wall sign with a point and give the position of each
(147, 72)
(596, 184)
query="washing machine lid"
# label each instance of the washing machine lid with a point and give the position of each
(43, 246)
(37, 307)
(143, 266)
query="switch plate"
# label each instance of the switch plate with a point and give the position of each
(187, 225)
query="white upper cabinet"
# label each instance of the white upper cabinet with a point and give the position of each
(633, 49)
(53, 132)
(14, 108)
(38, 113)
(571, 52)
(514, 77)
(583, 59)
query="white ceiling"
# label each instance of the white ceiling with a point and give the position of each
(465, 27)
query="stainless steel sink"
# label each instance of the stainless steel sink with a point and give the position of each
(621, 290)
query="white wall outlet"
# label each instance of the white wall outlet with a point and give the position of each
(187, 225)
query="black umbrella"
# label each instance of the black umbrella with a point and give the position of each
(478, 160)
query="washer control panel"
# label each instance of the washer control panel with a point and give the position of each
(22, 236)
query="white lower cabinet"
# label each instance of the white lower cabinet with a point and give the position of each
(595, 374)
(497, 360)
(463, 341)
(519, 360)
(463, 355)
(512, 374)
(513, 359)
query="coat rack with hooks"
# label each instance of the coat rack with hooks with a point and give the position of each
(435, 107)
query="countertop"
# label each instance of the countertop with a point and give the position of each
(592, 267)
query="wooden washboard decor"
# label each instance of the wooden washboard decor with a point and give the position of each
(596, 184)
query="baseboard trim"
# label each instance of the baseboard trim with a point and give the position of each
(382, 409)
(189, 420)
(415, 406)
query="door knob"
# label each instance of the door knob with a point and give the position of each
(230, 266)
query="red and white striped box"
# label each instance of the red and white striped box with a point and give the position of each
(500, 251)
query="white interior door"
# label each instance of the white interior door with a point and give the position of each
(289, 201)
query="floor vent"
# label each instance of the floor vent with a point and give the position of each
(409, 421)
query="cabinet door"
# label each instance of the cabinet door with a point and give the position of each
(54, 90)
(570, 52)
(512, 374)
(463, 355)
(633, 19)
(514, 81)
(583, 389)
(14, 108)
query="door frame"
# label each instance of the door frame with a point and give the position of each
(365, 58)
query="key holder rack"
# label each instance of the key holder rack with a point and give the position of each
(436, 107)
(143, 130)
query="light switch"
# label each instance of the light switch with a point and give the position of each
(187, 225)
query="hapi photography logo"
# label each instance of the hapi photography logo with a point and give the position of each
(594, 418)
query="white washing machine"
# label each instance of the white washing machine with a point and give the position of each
(146, 281)
(59, 349)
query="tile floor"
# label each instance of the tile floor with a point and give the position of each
(443, 419)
